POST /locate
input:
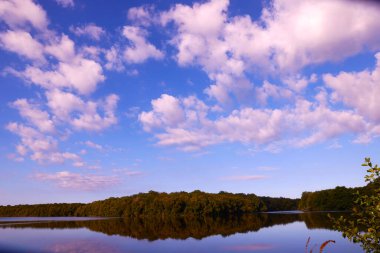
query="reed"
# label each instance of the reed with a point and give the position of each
(323, 245)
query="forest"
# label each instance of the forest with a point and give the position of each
(194, 204)
(338, 199)
(160, 205)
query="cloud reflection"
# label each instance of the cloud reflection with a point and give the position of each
(84, 246)
(251, 247)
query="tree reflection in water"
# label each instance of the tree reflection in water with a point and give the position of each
(155, 228)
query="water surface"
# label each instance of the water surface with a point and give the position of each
(269, 232)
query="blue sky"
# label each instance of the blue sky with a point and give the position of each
(104, 99)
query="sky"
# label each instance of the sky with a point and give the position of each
(105, 99)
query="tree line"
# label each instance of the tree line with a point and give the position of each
(160, 205)
(338, 199)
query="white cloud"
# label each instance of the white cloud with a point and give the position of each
(56, 157)
(62, 104)
(358, 90)
(90, 30)
(68, 112)
(199, 40)
(196, 19)
(76, 181)
(31, 139)
(166, 111)
(294, 34)
(64, 71)
(18, 13)
(62, 48)
(81, 75)
(93, 145)
(142, 16)
(39, 146)
(72, 71)
(114, 60)
(22, 43)
(140, 49)
(91, 120)
(66, 3)
(91, 52)
(40, 119)
(287, 37)
(299, 83)
(268, 90)
(303, 124)
(80, 114)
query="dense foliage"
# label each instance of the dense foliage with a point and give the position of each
(48, 210)
(158, 205)
(338, 199)
(280, 204)
(364, 224)
(194, 204)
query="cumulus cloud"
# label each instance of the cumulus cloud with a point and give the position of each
(73, 71)
(288, 36)
(196, 30)
(40, 119)
(298, 82)
(62, 48)
(294, 34)
(40, 147)
(64, 71)
(358, 90)
(140, 49)
(268, 90)
(76, 181)
(91, 120)
(81, 75)
(142, 16)
(83, 115)
(19, 13)
(166, 111)
(114, 61)
(90, 30)
(23, 44)
(31, 139)
(191, 126)
(63, 103)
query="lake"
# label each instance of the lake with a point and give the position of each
(263, 232)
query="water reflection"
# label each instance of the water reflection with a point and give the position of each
(251, 247)
(183, 228)
(93, 246)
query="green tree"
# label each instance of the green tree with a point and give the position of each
(364, 224)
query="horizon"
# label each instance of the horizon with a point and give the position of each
(103, 100)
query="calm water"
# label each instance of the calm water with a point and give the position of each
(274, 232)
